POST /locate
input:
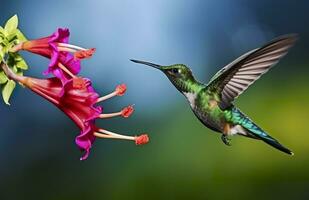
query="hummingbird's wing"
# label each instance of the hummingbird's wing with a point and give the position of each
(236, 77)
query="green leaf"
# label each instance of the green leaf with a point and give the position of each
(16, 56)
(15, 69)
(11, 25)
(11, 59)
(16, 61)
(7, 91)
(2, 52)
(11, 38)
(22, 64)
(21, 37)
(3, 77)
(20, 73)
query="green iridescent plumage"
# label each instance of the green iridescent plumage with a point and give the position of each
(212, 103)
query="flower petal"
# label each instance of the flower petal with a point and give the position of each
(85, 139)
(72, 65)
(61, 35)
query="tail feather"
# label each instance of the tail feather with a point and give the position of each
(258, 133)
(262, 135)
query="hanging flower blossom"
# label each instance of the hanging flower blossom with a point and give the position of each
(62, 64)
(78, 102)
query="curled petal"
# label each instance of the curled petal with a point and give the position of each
(142, 139)
(61, 35)
(121, 89)
(85, 139)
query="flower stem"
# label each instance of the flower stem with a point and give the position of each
(10, 74)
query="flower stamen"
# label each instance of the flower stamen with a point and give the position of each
(103, 98)
(109, 115)
(108, 134)
(139, 140)
(125, 112)
(82, 54)
(71, 46)
(79, 83)
(79, 52)
(142, 139)
(119, 91)
(65, 49)
(61, 66)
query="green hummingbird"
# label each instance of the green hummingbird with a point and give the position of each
(212, 102)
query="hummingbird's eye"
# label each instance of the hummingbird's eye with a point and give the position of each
(176, 71)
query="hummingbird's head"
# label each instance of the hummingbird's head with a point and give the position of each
(180, 75)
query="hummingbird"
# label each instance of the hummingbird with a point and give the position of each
(212, 103)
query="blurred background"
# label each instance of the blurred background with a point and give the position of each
(38, 156)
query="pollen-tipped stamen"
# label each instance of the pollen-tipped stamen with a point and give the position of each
(139, 140)
(70, 46)
(109, 115)
(108, 134)
(61, 66)
(79, 52)
(125, 112)
(103, 98)
(65, 49)
(119, 91)
(82, 54)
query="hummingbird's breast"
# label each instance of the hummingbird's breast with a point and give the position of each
(206, 109)
(191, 97)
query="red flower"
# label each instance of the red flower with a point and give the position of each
(77, 100)
(62, 64)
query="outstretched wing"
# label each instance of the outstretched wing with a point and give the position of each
(236, 77)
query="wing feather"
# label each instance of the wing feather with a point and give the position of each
(236, 77)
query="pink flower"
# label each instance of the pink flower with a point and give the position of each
(62, 64)
(78, 102)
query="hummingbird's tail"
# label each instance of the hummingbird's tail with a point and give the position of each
(262, 135)
(256, 132)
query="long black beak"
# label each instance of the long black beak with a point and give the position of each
(147, 63)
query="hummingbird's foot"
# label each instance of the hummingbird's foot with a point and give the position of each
(226, 140)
